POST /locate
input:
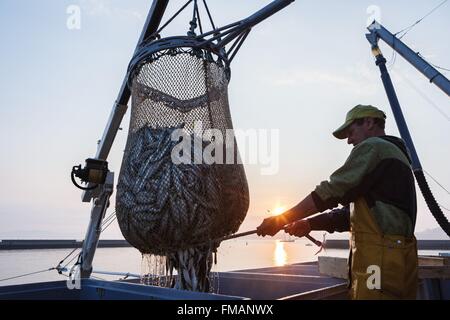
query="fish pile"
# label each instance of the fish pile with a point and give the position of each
(175, 210)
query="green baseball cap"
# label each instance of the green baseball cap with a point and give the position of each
(358, 112)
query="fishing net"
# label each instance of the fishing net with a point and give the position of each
(175, 205)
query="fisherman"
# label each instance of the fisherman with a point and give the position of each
(376, 187)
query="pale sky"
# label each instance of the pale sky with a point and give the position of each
(299, 71)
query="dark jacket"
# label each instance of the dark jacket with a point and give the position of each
(379, 170)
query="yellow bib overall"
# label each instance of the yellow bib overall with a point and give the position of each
(371, 251)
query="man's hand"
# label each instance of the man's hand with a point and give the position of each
(299, 228)
(271, 226)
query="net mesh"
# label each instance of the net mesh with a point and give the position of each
(180, 210)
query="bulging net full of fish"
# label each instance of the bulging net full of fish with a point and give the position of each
(173, 210)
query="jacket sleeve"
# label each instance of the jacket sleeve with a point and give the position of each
(347, 183)
(335, 220)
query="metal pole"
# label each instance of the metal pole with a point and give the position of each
(151, 25)
(254, 19)
(92, 237)
(396, 110)
(378, 31)
(120, 105)
(111, 273)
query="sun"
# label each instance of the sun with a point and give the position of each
(278, 210)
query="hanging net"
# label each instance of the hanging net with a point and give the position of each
(172, 202)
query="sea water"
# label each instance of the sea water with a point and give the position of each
(232, 255)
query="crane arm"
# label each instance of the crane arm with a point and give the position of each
(377, 31)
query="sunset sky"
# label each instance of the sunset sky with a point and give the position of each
(299, 71)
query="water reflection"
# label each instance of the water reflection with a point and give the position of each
(279, 255)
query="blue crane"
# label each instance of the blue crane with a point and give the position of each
(377, 32)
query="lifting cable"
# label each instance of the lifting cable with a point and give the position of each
(407, 29)
(107, 221)
(28, 274)
(440, 185)
(423, 95)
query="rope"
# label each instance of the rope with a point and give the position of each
(46, 270)
(209, 15)
(424, 96)
(198, 16)
(71, 260)
(112, 215)
(391, 62)
(407, 29)
(439, 67)
(436, 66)
(112, 220)
(28, 274)
(106, 220)
(173, 17)
(440, 185)
(67, 256)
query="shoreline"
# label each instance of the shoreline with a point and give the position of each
(9, 244)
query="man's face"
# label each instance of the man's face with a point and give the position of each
(357, 133)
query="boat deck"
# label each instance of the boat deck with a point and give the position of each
(301, 281)
(295, 281)
(264, 283)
